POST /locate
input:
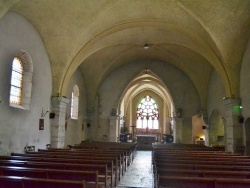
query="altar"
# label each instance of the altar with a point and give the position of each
(145, 141)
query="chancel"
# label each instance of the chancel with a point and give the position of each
(113, 79)
(147, 129)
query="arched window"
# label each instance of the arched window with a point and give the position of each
(21, 80)
(147, 114)
(16, 81)
(74, 102)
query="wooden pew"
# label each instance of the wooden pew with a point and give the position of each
(67, 164)
(187, 182)
(90, 177)
(191, 166)
(103, 176)
(101, 152)
(232, 183)
(24, 182)
(212, 162)
(102, 169)
(160, 146)
(207, 158)
(11, 182)
(89, 153)
(124, 153)
(130, 147)
(204, 173)
(112, 162)
(192, 152)
(203, 167)
(197, 153)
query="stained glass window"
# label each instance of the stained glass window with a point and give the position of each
(16, 81)
(147, 114)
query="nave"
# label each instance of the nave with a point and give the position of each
(140, 172)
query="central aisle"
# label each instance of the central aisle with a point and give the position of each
(139, 173)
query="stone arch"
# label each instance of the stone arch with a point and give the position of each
(97, 43)
(216, 129)
(146, 82)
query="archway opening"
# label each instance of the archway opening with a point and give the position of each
(146, 107)
(216, 129)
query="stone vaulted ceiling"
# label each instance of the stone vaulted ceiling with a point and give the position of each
(98, 36)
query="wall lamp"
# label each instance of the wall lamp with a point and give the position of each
(225, 98)
(44, 113)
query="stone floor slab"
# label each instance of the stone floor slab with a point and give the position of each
(139, 173)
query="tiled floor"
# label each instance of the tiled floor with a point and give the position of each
(139, 173)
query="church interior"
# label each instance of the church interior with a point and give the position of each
(150, 73)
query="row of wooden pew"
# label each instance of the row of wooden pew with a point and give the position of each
(199, 166)
(82, 166)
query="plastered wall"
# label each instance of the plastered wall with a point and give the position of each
(20, 128)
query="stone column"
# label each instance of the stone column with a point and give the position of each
(59, 105)
(177, 126)
(234, 130)
(113, 128)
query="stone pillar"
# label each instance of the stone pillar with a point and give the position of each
(113, 128)
(234, 130)
(59, 105)
(177, 128)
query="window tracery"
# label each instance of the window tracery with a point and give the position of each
(147, 113)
